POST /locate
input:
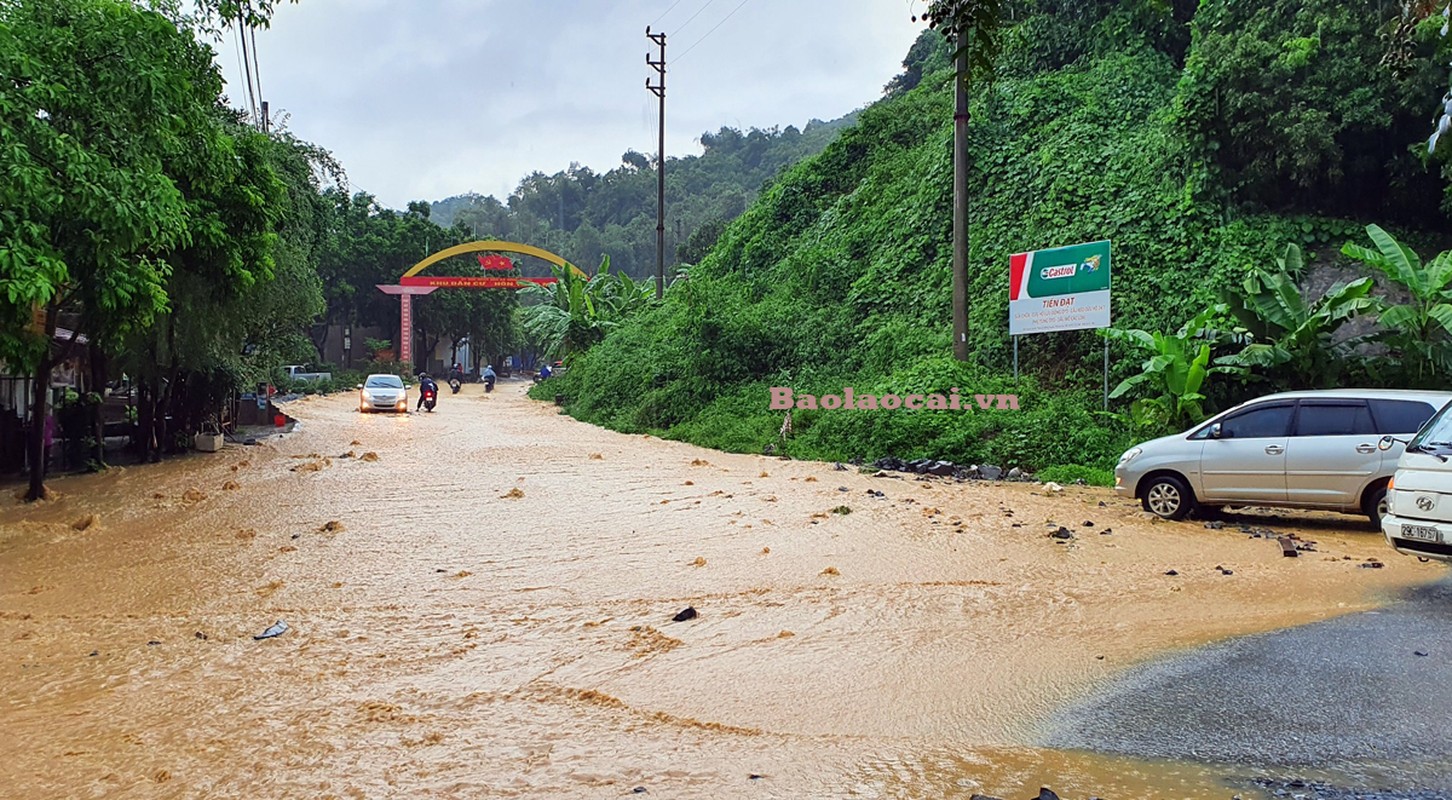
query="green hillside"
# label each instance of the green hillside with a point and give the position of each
(1200, 140)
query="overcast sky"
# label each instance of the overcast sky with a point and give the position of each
(424, 99)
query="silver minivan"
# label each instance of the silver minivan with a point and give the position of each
(1310, 449)
(1419, 517)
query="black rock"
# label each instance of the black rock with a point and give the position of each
(689, 612)
(1224, 571)
(1088, 523)
(1046, 793)
(990, 472)
(1016, 525)
(201, 636)
(842, 489)
(1215, 525)
(95, 653)
(639, 790)
(1371, 565)
(1106, 532)
(1419, 653)
(297, 536)
(754, 777)
(839, 466)
(152, 643)
(1062, 533)
(1172, 572)
(1103, 504)
(984, 797)
(942, 469)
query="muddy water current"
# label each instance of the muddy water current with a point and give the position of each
(480, 604)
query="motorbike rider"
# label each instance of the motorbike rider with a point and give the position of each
(545, 372)
(489, 378)
(425, 385)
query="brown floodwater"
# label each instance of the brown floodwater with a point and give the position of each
(480, 603)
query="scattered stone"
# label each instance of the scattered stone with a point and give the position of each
(830, 571)
(297, 536)
(1088, 523)
(754, 777)
(332, 526)
(194, 495)
(368, 456)
(86, 523)
(1106, 532)
(1103, 504)
(1062, 533)
(1046, 793)
(689, 612)
(842, 489)
(766, 551)
(1015, 473)
(152, 643)
(699, 562)
(941, 469)
(1371, 565)
(839, 466)
(984, 797)
(1016, 525)
(1172, 572)
(1419, 652)
(440, 570)
(1224, 571)
(597, 457)
(200, 635)
(354, 443)
(95, 653)
(512, 494)
(639, 790)
(1215, 525)
(1052, 488)
(989, 472)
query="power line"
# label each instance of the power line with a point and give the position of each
(667, 11)
(693, 16)
(713, 30)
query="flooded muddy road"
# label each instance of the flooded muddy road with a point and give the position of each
(480, 604)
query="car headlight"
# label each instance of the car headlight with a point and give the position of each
(1129, 455)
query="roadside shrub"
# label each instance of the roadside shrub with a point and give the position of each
(1070, 473)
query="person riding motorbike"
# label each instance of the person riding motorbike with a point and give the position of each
(489, 378)
(426, 386)
(456, 377)
(544, 374)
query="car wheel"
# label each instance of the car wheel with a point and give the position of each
(1376, 506)
(1167, 497)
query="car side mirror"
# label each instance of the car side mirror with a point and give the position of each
(1387, 442)
(1215, 431)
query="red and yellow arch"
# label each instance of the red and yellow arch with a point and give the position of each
(412, 277)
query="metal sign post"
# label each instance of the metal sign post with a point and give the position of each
(1015, 360)
(1061, 289)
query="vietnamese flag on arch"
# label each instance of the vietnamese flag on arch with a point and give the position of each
(495, 262)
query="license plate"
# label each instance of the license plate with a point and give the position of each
(1421, 533)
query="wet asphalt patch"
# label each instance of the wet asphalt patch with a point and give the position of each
(1355, 708)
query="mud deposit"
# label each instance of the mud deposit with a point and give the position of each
(483, 608)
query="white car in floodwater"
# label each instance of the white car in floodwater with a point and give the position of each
(382, 392)
(1419, 497)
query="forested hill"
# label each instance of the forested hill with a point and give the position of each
(1201, 138)
(584, 215)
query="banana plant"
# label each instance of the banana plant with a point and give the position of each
(576, 312)
(1294, 342)
(1420, 330)
(1175, 372)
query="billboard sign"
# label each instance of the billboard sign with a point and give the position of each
(1063, 289)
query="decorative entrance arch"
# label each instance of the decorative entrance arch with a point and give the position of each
(411, 283)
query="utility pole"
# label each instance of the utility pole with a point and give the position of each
(659, 91)
(960, 205)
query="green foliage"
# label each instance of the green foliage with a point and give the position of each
(1073, 473)
(1174, 373)
(575, 312)
(1312, 105)
(1295, 342)
(1420, 330)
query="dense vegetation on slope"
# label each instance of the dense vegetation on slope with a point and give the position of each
(1200, 142)
(584, 215)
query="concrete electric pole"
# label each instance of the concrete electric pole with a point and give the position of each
(960, 204)
(659, 91)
